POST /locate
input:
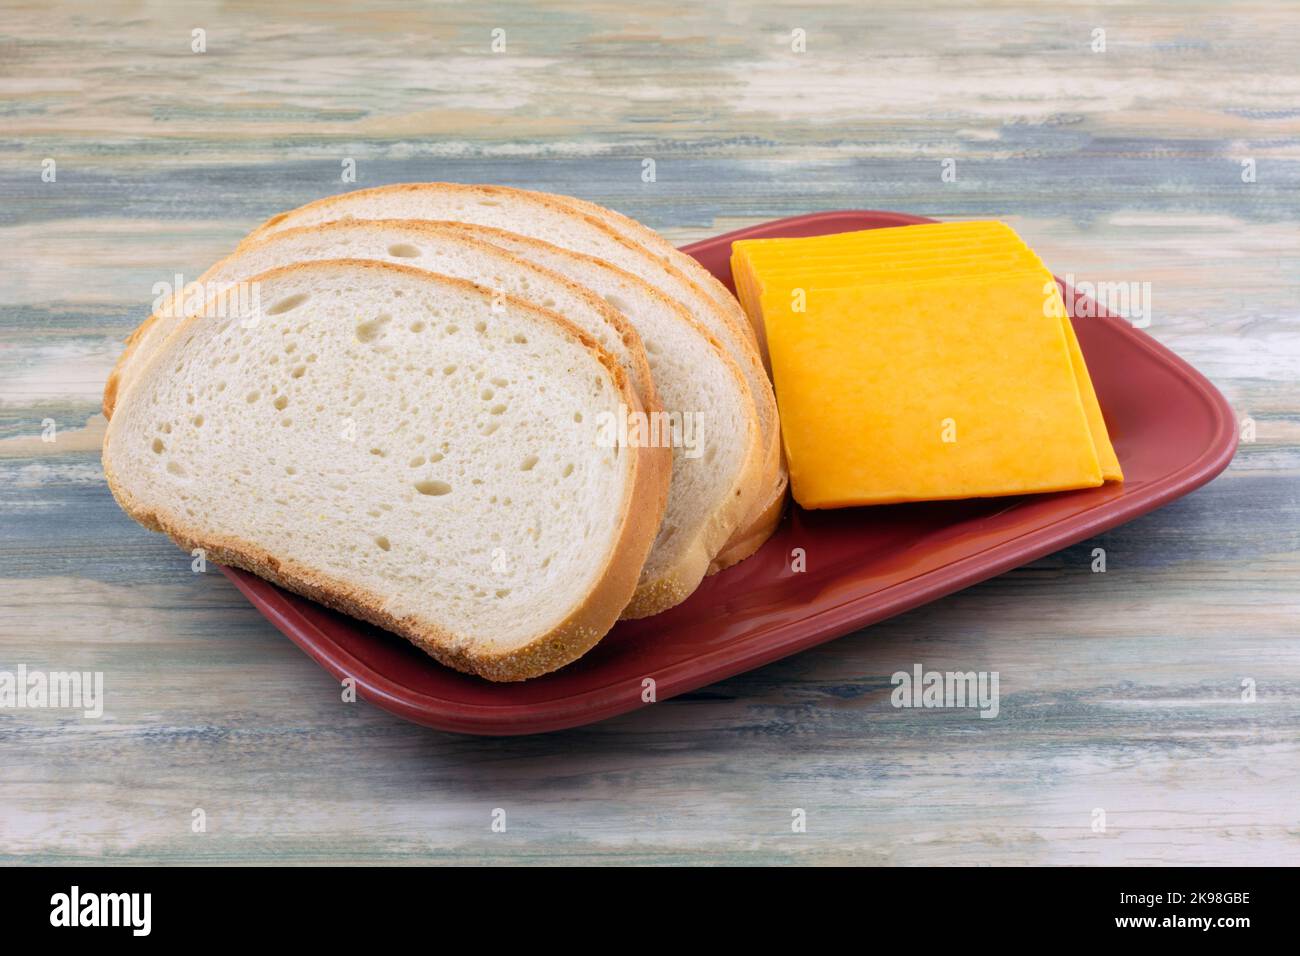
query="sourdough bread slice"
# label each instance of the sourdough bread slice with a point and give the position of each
(713, 482)
(412, 449)
(716, 481)
(541, 216)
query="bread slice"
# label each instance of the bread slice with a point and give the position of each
(712, 484)
(411, 449)
(714, 490)
(553, 219)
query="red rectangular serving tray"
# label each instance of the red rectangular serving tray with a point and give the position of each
(1173, 432)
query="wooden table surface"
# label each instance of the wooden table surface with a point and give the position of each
(1120, 692)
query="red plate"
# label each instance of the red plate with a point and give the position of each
(1173, 432)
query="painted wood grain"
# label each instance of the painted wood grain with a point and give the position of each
(1120, 691)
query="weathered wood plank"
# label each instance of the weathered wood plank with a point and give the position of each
(1119, 691)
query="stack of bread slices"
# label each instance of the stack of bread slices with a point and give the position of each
(490, 420)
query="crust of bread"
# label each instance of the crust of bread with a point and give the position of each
(744, 544)
(580, 630)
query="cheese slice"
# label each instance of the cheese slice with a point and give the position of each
(900, 270)
(865, 247)
(952, 388)
(872, 257)
(909, 254)
(761, 250)
(1106, 457)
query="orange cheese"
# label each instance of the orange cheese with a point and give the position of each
(1110, 467)
(763, 250)
(950, 388)
(902, 270)
(909, 254)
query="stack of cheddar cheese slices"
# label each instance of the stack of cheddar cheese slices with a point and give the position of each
(493, 421)
(920, 363)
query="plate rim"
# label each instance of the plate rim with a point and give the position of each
(610, 700)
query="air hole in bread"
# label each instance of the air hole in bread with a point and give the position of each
(433, 487)
(577, 416)
(382, 543)
(252, 396)
(287, 305)
(175, 467)
(158, 446)
(281, 402)
(489, 428)
(618, 303)
(448, 370)
(417, 461)
(379, 452)
(487, 394)
(528, 463)
(372, 329)
(500, 382)
(198, 421)
(403, 250)
(498, 409)
(298, 371)
(568, 470)
(480, 326)
(520, 339)
(417, 326)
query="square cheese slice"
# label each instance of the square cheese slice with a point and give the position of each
(911, 253)
(953, 388)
